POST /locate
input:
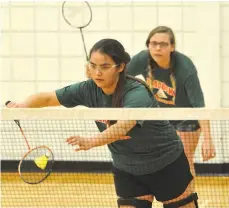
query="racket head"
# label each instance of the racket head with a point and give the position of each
(77, 14)
(36, 165)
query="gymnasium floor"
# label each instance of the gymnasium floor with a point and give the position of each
(93, 190)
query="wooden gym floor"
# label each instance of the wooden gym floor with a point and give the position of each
(93, 190)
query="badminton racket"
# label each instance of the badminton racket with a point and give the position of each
(78, 15)
(36, 164)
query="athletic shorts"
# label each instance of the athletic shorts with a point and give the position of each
(186, 125)
(165, 184)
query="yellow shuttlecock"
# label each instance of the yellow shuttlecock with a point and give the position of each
(41, 161)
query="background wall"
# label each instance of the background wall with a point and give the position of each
(40, 52)
(224, 34)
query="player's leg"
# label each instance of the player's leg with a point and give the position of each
(131, 191)
(186, 200)
(190, 141)
(172, 185)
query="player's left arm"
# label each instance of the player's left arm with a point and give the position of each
(114, 133)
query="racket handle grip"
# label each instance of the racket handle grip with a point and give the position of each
(16, 121)
(7, 102)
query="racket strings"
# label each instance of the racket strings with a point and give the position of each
(77, 14)
(36, 165)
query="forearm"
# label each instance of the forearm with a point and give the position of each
(37, 100)
(205, 127)
(113, 133)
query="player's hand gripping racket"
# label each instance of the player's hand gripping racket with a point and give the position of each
(36, 165)
(77, 14)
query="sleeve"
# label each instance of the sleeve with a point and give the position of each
(139, 98)
(138, 64)
(194, 91)
(73, 95)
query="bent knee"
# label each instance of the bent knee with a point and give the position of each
(146, 197)
(190, 202)
(188, 191)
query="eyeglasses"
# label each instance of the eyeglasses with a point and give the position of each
(162, 45)
(101, 68)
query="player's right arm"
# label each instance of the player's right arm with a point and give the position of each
(42, 99)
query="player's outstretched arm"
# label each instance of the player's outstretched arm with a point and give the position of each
(114, 133)
(43, 99)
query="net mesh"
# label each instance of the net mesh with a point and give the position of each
(84, 179)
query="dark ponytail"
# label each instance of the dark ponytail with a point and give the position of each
(117, 98)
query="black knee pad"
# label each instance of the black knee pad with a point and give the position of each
(192, 197)
(135, 203)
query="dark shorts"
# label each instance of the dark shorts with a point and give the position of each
(186, 126)
(166, 184)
